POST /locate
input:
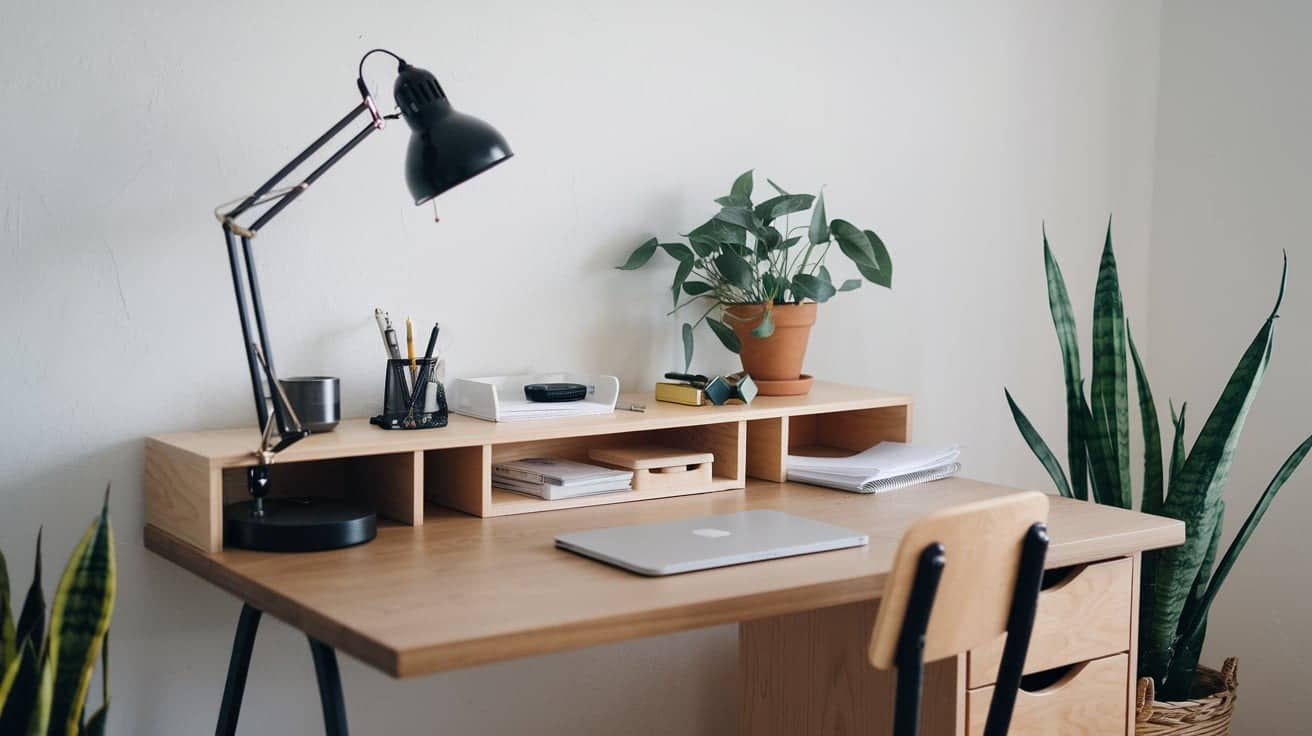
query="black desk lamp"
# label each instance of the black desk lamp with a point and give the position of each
(446, 148)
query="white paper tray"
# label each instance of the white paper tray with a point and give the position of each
(501, 398)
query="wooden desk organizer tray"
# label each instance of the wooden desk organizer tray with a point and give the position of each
(191, 475)
(658, 468)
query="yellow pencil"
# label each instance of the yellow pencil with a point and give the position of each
(410, 348)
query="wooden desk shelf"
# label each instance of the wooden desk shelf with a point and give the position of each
(190, 476)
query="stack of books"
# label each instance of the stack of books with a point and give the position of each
(553, 479)
(885, 467)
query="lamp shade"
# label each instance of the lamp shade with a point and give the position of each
(446, 147)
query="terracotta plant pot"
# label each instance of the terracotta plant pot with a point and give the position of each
(1206, 715)
(775, 362)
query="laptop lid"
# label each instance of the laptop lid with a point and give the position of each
(684, 545)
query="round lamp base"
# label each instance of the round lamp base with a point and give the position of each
(298, 525)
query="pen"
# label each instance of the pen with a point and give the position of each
(381, 317)
(410, 350)
(425, 375)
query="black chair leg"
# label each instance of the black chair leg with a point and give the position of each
(238, 667)
(910, 658)
(330, 688)
(1020, 624)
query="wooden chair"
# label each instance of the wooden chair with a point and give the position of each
(961, 577)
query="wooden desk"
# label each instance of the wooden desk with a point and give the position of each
(457, 591)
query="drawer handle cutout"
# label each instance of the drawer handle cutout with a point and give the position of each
(1058, 577)
(1050, 681)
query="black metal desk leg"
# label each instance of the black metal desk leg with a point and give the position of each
(330, 688)
(238, 666)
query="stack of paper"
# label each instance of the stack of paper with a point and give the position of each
(885, 467)
(553, 479)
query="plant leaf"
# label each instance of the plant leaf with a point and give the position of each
(806, 286)
(736, 270)
(38, 723)
(696, 288)
(677, 251)
(766, 327)
(687, 346)
(96, 724)
(716, 232)
(1109, 396)
(680, 275)
(639, 257)
(850, 285)
(739, 216)
(8, 642)
(1177, 443)
(18, 690)
(791, 242)
(79, 620)
(726, 334)
(1063, 321)
(784, 204)
(776, 187)
(883, 261)
(1039, 447)
(1101, 487)
(1194, 497)
(742, 186)
(819, 230)
(733, 201)
(32, 619)
(702, 245)
(855, 245)
(1190, 628)
(1153, 493)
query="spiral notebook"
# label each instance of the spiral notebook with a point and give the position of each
(887, 466)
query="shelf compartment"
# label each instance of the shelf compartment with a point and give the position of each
(391, 483)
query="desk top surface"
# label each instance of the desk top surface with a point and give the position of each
(460, 591)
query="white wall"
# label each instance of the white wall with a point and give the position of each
(1233, 173)
(953, 129)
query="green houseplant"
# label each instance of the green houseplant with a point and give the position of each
(756, 282)
(47, 670)
(1180, 583)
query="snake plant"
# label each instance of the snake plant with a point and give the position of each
(1178, 584)
(47, 670)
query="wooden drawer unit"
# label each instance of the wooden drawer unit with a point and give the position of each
(1084, 615)
(1083, 702)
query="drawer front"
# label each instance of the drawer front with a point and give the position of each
(1084, 616)
(1092, 699)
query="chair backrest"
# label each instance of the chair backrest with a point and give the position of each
(983, 542)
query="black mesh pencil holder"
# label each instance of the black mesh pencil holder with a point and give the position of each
(403, 408)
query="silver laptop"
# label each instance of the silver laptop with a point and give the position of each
(670, 547)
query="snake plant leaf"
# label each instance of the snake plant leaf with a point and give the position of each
(39, 723)
(640, 255)
(736, 270)
(32, 619)
(1108, 397)
(884, 275)
(18, 690)
(784, 204)
(95, 725)
(818, 232)
(1039, 447)
(680, 276)
(726, 334)
(1153, 493)
(8, 639)
(1194, 497)
(687, 346)
(1063, 321)
(742, 186)
(766, 327)
(1190, 627)
(1197, 592)
(1102, 485)
(79, 621)
(1177, 445)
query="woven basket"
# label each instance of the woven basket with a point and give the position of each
(1205, 716)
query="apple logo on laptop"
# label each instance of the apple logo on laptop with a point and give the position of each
(711, 533)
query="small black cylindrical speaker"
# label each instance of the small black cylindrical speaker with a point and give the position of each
(317, 401)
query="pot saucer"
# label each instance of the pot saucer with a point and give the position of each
(799, 386)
